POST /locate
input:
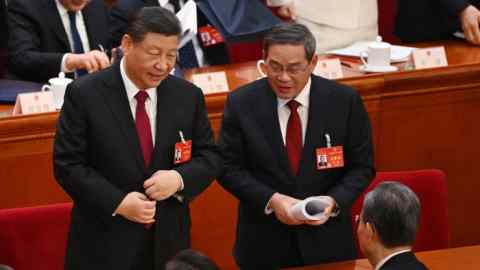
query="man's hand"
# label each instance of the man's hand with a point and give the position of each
(470, 19)
(281, 205)
(91, 61)
(287, 11)
(137, 208)
(162, 185)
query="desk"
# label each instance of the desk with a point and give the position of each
(464, 258)
(421, 119)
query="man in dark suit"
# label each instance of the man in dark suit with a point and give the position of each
(114, 153)
(273, 132)
(44, 42)
(198, 54)
(387, 227)
(428, 20)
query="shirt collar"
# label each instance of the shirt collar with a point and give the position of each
(303, 97)
(61, 9)
(130, 87)
(382, 262)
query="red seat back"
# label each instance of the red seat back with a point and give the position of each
(431, 188)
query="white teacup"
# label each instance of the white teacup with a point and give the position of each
(378, 54)
(58, 86)
(259, 68)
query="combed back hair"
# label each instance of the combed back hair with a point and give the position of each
(394, 211)
(153, 20)
(290, 34)
(190, 259)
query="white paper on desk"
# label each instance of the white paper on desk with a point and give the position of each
(311, 208)
(397, 53)
(188, 19)
(210, 83)
(459, 34)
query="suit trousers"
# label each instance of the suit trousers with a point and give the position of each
(144, 258)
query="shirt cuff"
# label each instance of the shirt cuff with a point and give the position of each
(278, 3)
(268, 210)
(63, 66)
(180, 178)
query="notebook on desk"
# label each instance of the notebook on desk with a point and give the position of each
(9, 89)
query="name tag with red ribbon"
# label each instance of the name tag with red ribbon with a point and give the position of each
(183, 152)
(329, 157)
(210, 36)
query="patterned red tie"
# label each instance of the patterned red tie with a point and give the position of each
(294, 137)
(143, 127)
(143, 130)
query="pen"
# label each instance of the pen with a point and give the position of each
(101, 48)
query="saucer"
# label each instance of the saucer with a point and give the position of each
(368, 68)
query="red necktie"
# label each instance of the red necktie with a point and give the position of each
(294, 137)
(143, 130)
(143, 127)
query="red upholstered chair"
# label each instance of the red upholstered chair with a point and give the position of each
(431, 188)
(34, 237)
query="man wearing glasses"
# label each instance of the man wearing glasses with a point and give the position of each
(273, 132)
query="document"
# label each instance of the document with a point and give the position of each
(312, 208)
(188, 19)
(397, 53)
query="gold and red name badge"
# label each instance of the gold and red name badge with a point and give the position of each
(183, 151)
(210, 36)
(329, 157)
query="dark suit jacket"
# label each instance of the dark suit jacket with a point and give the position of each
(427, 20)
(256, 166)
(123, 9)
(404, 261)
(38, 39)
(98, 160)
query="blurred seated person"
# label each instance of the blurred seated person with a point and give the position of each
(428, 20)
(49, 36)
(387, 227)
(193, 54)
(334, 23)
(189, 259)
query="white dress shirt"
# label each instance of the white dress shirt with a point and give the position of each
(384, 260)
(82, 31)
(202, 61)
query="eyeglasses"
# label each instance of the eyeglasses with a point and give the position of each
(291, 70)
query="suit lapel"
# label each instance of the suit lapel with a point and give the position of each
(117, 100)
(89, 14)
(268, 119)
(165, 129)
(53, 17)
(317, 124)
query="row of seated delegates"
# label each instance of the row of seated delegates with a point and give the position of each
(190, 259)
(427, 20)
(387, 227)
(49, 36)
(271, 132)
(334, 23)
(193, 54)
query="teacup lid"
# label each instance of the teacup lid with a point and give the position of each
(60, 80)
(379, 44)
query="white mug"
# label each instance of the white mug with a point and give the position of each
(259, 68)
(57, 86)
(378, 54)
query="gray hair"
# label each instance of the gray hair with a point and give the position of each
(290, 34)
(394, 211)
